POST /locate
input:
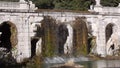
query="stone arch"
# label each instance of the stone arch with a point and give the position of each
(8, 37)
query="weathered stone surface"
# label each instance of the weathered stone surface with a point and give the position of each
(80, 36)
(99, 19)
(21, 6)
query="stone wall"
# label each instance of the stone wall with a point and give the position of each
(21, 6)
(24, 23)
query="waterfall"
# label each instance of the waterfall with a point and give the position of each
(69, 42)
(112, 44)
(59, 59)
(39, 47)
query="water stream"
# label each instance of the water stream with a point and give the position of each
(60, 42)
(90, 64)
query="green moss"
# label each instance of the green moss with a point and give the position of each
(49, 36)
(80, 36)
(13, 38)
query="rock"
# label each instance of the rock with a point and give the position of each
(3, 52)
(69, 64)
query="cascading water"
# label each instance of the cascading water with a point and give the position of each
(112, 44)
(70, 37)
(112, 41)
(39, 42)
(69, 42)
(38, 47)
(59, 42)
(59, 59)
(67, 47)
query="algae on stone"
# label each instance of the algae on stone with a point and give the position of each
(48, 26)
(80, 36)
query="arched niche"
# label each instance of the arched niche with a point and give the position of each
(8, 37)
(108, 31)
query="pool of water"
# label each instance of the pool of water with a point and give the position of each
(101, 64)
(91, 64)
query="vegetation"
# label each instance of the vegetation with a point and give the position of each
(48, 36)
(72, 4)
(69, 4)
(111, 3)
(80, 36)
(10, 0)
(63, 4)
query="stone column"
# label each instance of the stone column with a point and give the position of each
(97, 2)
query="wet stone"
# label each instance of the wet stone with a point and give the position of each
(6, 57)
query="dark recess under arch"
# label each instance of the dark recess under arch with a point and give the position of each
(8, 38)
(108, 31)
